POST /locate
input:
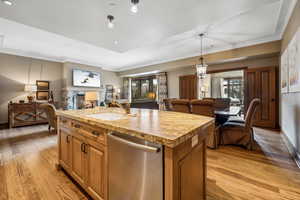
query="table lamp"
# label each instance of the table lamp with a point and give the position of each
(30, 88)
(91, 97)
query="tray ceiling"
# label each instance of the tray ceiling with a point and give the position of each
(161, 31)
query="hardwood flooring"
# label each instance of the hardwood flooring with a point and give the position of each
(28, 156)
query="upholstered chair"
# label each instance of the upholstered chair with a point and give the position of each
(167, 104)
(241, 133)
(50, 111)
(203, 107)
(181, 105)
(222, 103)
(206, 108)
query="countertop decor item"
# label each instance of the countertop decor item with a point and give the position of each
(30, 88)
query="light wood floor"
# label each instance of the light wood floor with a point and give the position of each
(28, 156)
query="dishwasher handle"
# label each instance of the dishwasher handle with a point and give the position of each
(135, 145)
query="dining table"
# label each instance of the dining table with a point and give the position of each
(223, 115)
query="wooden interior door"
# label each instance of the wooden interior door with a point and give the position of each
(188, 87)
(262, 83)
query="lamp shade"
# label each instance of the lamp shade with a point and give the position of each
(91, 96)
(30, 88)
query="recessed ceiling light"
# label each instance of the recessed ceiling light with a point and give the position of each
(7, 2)
(110, 23)
(116, 42)
(134, 7)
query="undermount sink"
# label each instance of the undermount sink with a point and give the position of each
(108, 116)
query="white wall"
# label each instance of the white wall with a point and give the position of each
(14, 74)
(290, 103)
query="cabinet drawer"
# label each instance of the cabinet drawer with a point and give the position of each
(91, 132)
(65, 122)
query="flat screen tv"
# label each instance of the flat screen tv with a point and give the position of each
(82, 78)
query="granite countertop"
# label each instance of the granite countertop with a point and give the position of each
(163, 127)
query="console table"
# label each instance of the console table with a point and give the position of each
(23, 114)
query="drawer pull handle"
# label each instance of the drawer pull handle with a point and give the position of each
(77, 126)
(96, 133)
(64, 121)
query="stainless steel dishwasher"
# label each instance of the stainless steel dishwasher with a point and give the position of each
(135, 168)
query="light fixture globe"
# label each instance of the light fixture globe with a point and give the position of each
(202, 67)
(201, 70)
(7, 2)
(110, 23)
(134, 7)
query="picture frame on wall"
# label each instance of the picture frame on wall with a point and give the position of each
(42, 85)
(42, 95)
(294, 63)
(284, 74)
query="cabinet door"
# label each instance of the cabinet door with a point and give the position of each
(78, 160)
(65, 149)
(95, 165)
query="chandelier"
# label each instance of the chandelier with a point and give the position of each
(202, 67)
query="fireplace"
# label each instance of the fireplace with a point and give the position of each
(75, 99)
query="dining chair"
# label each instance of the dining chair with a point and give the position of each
(167, 104)
(206, 108)
(50, 111)
(222, 103)
(181, 105)
(241, 133)
(203, 107)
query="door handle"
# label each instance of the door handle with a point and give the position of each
(273, 99)
(68, 141)
(82, 147)
(135, 145)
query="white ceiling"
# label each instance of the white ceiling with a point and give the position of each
(161, 31)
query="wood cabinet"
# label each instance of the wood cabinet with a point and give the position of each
(95, 165)
(65, 149)
(188, 87)
(83, 156)
(23, 114)
(262, 83)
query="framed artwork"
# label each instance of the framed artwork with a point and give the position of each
(82, 78)
(284, 74)
(42, 95)
(42, 85)
(294, 63)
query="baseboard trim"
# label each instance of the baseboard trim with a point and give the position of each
(293, 152)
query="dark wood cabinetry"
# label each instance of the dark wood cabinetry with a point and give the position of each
(23, 114)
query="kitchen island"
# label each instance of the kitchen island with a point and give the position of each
(170, 151)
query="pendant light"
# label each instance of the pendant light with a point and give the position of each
(134, 7)
(202, 67)
(110, 20)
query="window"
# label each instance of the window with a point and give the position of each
(233, 88)
(144, 89)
